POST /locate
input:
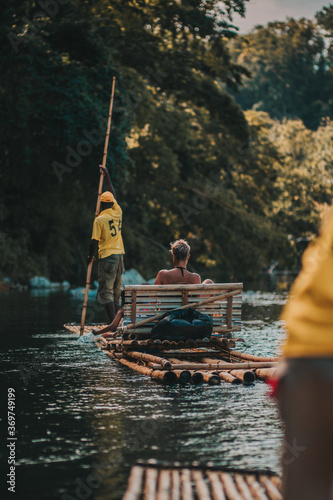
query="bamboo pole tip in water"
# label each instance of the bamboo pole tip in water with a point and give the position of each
(170, 378)
(185, 377)
(197, 378)
(214, 380)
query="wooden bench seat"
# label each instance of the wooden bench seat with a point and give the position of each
(144, 301)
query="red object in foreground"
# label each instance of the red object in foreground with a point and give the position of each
(274, 386)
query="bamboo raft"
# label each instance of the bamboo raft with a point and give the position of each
(153, 481)
(210, 360)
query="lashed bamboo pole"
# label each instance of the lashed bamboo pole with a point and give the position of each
(184, 376)
(219, 365)
(211, 378)
(166, 376)
(229, 378)
(164, 485)
(165, 363)
(98, 204)
(201, 487)
(216, 486)
(197, 377)
(255, 488)
(223, 296)
(229, 486)
(242, 486)
(276, 481)
(175, 485)
(271, 489)
(250, 357)
(264, 373)
(134, 487)
(150, 484)
(246, 376)
(156, 344)
(186, 485)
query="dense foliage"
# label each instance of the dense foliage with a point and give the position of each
(291, 69)
(185, 159)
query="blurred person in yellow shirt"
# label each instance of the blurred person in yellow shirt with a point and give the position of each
(106, 236)
(305, 389)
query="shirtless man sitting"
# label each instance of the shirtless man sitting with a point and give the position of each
(179, 275)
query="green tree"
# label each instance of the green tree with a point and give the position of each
(289, 70)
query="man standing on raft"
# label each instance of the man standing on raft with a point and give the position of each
(106, 235)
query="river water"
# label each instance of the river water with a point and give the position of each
(82, 420)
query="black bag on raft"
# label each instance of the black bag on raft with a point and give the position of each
(183, 324)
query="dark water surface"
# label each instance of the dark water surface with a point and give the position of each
(82, 420)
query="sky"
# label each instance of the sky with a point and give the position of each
(263, 11)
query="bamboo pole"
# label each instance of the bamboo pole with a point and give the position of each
(186, 485)
(250, 357)
(246, 376)
(271, 489)
(242, 486)
(255, 488)
(134, 487)
(184, 376)
(166, 376)
(223, 296)
(216, 486)
(98, 204)
(220, 365)
(197, 377)
(211, 378)
(165, 363)
(150, 484)
(265, 373)
(229, 378)
(229, 486)
(175, 485)
(200, 484)
(164, 485)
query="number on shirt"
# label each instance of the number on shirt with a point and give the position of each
(112, 228)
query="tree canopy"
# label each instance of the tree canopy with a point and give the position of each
(290, 68)
(185, 159)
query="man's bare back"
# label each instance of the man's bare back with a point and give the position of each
(177, 276)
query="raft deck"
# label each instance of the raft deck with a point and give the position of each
(152, 481)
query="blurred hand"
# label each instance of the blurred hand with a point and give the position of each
(103, 170)
(90, 259)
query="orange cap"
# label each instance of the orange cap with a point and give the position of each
(107, 197)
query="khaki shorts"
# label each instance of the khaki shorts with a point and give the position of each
(110, 272)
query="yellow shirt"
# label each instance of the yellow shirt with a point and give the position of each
(107, 231)
(309, 313)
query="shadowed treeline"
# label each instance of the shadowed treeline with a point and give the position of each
(245, 188)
